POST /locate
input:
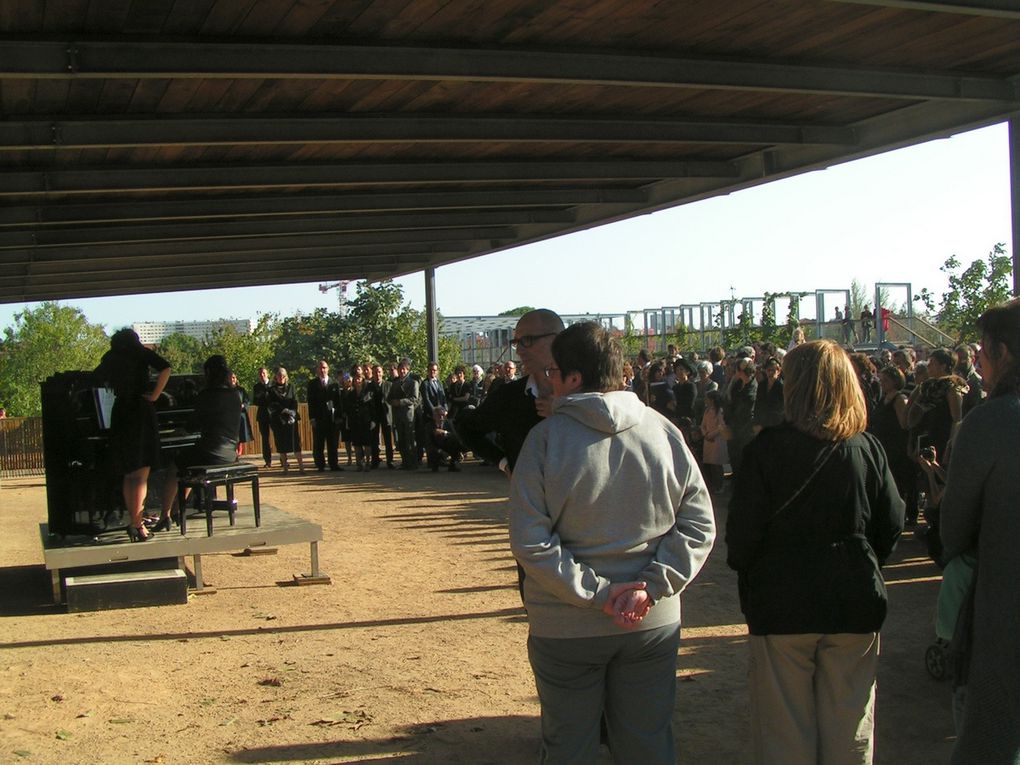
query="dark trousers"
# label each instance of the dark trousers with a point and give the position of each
(324, 437)
(267, 452)
(404, 426)
(386, 431)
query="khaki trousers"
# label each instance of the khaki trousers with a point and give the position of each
(813, 698)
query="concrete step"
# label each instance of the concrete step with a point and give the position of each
(129, 589)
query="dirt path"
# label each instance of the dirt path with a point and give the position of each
(415, 653)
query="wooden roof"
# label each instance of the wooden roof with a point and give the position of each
(154, 145)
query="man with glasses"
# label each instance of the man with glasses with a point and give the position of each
(514, 408)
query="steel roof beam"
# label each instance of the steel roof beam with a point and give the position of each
(1002, 9)
(92, 235)
(118, 58)
(216, 130)
(287, 205)
(283, 245)
(95, 180)
(132, 268)
(281, 275)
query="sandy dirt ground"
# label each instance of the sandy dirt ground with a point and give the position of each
(415, 653)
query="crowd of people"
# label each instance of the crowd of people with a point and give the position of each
(830, 453)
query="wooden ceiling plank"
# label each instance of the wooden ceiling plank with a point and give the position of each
(147, 17)
(106, 16)
(224, 16)
(185, 18)
(303, 16)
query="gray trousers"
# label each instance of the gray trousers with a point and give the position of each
(632, 677)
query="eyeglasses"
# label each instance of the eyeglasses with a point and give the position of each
(549, 370)
(529, 340)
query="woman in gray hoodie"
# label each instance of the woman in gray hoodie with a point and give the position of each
(610, 520)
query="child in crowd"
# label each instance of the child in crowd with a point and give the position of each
(713, 428)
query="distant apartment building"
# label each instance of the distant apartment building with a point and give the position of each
(153, 332)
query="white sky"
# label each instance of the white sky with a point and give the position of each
(891, 218)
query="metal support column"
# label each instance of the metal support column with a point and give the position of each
(431, 324)
(1014, 196)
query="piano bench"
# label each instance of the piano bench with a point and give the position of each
(206, 478)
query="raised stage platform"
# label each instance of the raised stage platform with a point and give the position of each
(113, 547)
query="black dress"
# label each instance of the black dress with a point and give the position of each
(219, 417)
(363, 409)
(885, 426)
(134, 428)
(282, 405)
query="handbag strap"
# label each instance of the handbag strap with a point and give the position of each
(807, 482)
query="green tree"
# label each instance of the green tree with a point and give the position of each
(379, 327)
(184, 353)
(768, 318)
(303, 340)
(630, 340)
(245, 352)
(972, 291)
(45, 340)
(519, 311)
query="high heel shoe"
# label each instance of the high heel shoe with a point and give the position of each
(136, 534)
(164, 524)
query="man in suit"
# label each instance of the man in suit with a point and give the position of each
(514, 408)
(385, 426)
(405, 399)
(323, 405)
(260, 397)
(432, 397)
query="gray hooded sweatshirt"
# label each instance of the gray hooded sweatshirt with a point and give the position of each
(605, 491)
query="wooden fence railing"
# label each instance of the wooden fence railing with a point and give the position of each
(21, 446)
(21, 442)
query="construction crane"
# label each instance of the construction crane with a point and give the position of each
(341, 288)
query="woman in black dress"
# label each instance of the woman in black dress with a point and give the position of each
(362, 406)
(220, 419)
(283, 416)
(134, 429)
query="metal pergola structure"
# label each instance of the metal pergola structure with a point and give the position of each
(154, 147)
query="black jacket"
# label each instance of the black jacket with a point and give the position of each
(509, 412)
(323, 401)
(813, 566)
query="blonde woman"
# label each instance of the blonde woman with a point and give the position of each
(814, 514)
(283, 417)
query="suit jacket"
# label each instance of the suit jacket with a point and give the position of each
(432, 395)
(404, 398)
(323, 400)
(260, 397)
(510, 413)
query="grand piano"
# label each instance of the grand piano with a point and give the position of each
(83, 492)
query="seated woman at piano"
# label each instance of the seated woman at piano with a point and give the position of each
(134, 429)
(220, 418)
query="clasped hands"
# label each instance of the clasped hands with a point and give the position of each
(628, 603)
